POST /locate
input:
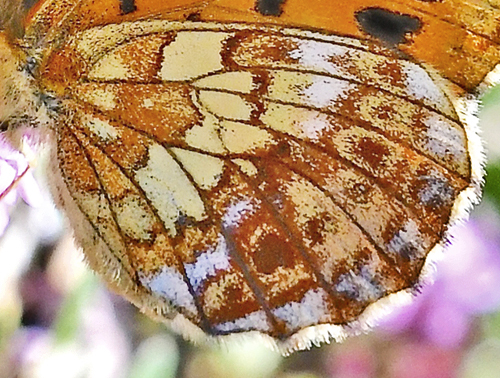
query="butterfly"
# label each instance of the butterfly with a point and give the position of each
(279, 167)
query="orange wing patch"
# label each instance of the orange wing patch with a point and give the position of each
(262, 166)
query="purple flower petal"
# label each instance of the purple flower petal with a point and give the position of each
(4, 218)
(13, 165)
(403, 317)
(446, 325)
(29, 190)
(471, 272)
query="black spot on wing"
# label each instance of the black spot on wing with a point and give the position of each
(269, 7)
(127, 6)
(391, 28)
(195, 16)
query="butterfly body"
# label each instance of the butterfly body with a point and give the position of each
(231, 167)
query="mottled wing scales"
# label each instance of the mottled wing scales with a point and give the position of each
(258, 180)
(356, 66)
(163, 111)
(313, 99)
(121, 214)
(129, 62)
(84, 186)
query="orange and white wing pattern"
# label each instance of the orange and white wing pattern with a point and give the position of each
(247, 168)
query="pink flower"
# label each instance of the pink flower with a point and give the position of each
(353, 359)
(421, 360)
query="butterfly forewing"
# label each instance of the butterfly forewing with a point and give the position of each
(464, 33)
(261, 170)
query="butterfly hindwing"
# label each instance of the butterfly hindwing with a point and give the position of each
(261, 166)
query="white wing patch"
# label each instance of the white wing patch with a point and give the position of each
(169, 284)
(256, 320)
(226, 105)
(317, 91)
(420, 85)
(240, 137)
(208, 263)
(103, 129)
(193, 54)
(206, 170)
(235, 213)
(111, 67)
(299, 122)
(444, 138)
(168, 188)
(317, 56)
(239, 81)
(134, 220)
(312, 309)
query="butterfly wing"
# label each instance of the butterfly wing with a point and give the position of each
(436, 33)
(257, 177)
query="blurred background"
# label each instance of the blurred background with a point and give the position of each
(58, 320)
